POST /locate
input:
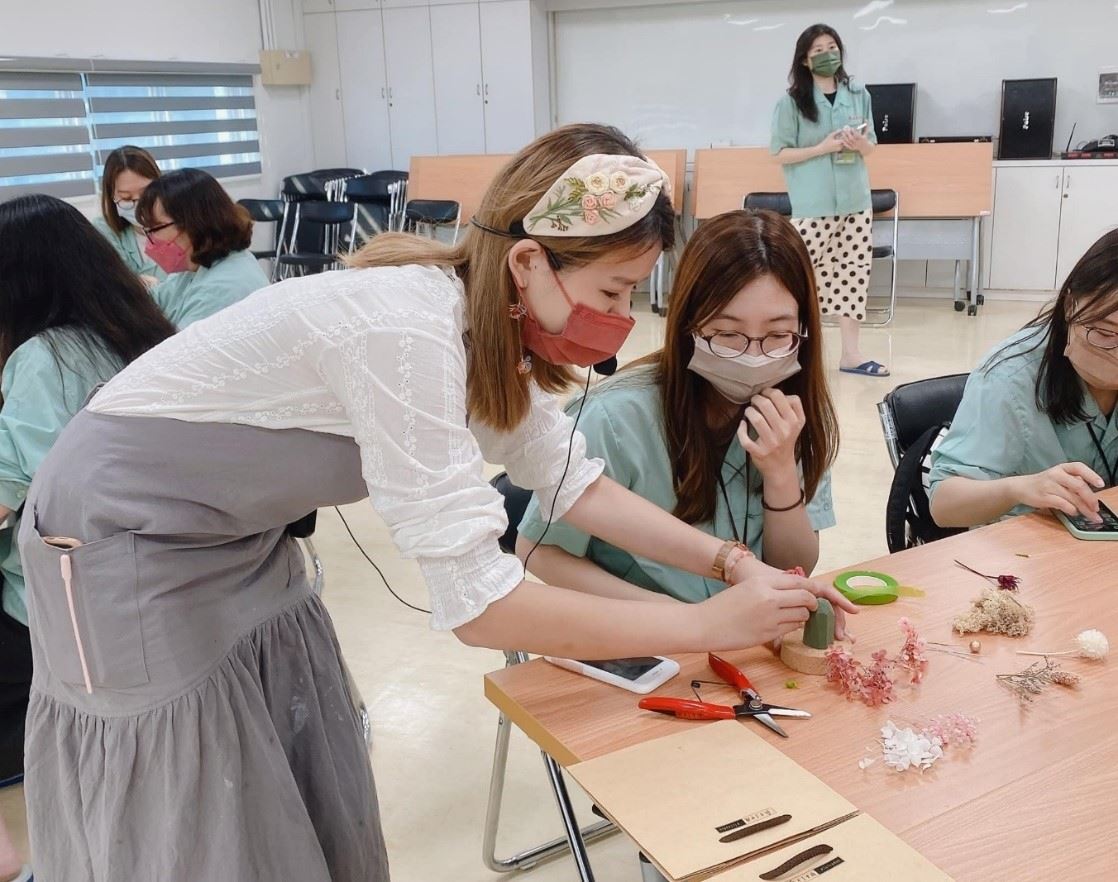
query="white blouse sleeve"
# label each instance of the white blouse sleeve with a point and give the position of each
(403, 384)
(538, 451)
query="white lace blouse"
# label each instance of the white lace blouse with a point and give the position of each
(376, 355)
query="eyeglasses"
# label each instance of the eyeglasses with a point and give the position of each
(730, 344)
(149, 230)
(1101, 338)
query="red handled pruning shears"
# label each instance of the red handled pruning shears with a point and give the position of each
(751, 705)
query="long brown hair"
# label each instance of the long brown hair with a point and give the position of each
(1089, 293)
(725, 254)
(801, 82)
(496, 393)
(127, 158)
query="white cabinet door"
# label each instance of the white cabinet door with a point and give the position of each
(364, 90)
(1026, 228)
(506, 62)
(411, 84)
(327, 121)
(318, 5)
(456, 44)
(350, 5)
(1090, 209)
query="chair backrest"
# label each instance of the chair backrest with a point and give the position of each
(914, 407)
(263, 210)
(883, 200)
(912, 417)
(325, 212)
(778, 202)
(516, 502)
(432, 211)
(369, 188)
(312, 185)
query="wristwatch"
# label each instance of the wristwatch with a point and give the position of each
(727, 554)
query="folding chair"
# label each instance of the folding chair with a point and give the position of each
(427, 215)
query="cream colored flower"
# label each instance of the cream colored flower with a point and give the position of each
(619, 182)
(597, 183)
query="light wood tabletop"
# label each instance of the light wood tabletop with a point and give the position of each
(1036, 799)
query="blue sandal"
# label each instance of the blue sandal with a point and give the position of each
(867, 369)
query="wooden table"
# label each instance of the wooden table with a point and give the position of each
(1036, 799)
(465, 178)
(943, 191)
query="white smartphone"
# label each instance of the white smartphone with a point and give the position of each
(1081, 528)
(640, 675)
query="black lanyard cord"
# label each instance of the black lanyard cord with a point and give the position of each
(1111, 470)
(738, 537)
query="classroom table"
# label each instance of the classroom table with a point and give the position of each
(944, 191)
(1036, 799)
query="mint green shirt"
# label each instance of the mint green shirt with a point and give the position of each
(821, 187)
(999, 432)
(624, 426)
(41, 393)
(192, 295)
(129, 248)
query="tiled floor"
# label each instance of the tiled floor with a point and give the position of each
(433, 730)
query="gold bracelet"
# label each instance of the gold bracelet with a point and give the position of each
(718, 569)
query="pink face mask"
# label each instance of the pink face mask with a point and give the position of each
(169, 256)
(587, 338)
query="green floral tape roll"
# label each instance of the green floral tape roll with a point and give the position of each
(867, 588)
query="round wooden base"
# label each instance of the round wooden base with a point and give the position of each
(802, 658)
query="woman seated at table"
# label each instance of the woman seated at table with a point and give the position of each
(70, 319)
(128, 171)
(730, 426)
(1037, 426)
(200, 238)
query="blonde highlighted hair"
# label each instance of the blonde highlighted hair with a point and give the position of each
(497, 394)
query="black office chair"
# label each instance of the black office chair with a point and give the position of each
(912, 417)
(778, 202)
(265, 211)
(328, 219)
(516, 501)
(427, 215)
(376, 201)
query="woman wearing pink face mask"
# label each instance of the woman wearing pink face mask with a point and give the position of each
(392, 380)
(1037, 427)
(730, 426)
(199, 237)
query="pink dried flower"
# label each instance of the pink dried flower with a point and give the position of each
(875, 685)
(955, 730)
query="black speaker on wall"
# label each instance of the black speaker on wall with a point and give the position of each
(1028, 119)
(894, 112)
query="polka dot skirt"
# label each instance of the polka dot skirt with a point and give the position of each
(841, 251)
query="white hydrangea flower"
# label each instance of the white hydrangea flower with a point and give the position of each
(906, 748)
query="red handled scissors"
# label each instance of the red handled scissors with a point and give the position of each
(751, 705)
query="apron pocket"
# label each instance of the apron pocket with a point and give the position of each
(104, 626)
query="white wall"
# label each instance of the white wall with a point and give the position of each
(174, 30)
(689, 74)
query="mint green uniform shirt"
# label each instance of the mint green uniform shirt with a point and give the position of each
(41, 394)
(192, 295)
(128, 247)
(999, 432)
(624, 426)
(820, 187)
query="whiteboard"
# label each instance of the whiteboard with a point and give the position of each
(702, 73)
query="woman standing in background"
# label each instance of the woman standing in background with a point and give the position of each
(128, 171)
(822, 131)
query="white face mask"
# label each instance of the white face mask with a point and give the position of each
(740, 377)
(127, 211)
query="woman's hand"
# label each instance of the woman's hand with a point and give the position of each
(832, 143)
(1069, 488)
(764, 608)
(853, 139)
(777, 420)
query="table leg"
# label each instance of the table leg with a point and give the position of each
(570, 822)
(975, 272)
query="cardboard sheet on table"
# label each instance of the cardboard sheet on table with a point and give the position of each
(671, 794)
(869, 853)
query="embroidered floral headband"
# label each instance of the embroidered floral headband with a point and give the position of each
(601, 194)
